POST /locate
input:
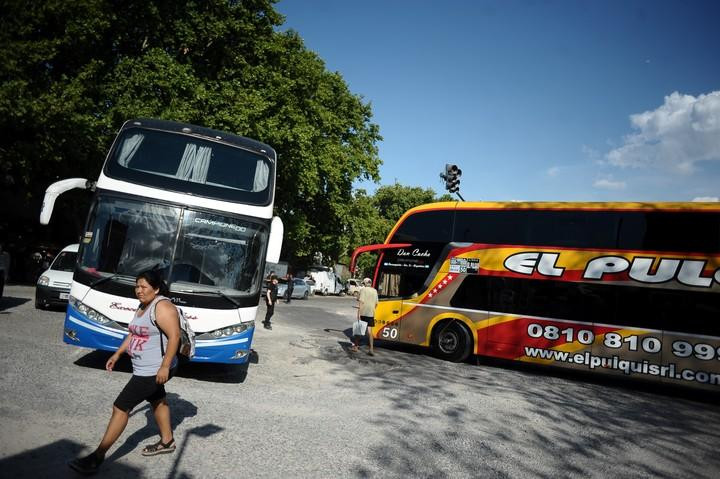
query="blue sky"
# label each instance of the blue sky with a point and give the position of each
(563, 100)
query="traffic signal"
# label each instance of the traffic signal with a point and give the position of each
(452, 178)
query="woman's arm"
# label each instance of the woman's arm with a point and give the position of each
(110, 364)
(167, 319)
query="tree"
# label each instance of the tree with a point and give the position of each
(72, 71)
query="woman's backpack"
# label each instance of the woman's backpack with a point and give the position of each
(187, 335)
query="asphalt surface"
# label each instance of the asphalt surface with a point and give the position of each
(308, 407)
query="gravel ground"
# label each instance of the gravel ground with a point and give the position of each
(307, 407)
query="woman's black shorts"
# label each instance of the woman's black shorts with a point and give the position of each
(139, 389)
(368, 319)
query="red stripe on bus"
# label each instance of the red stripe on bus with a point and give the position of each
(508, 340)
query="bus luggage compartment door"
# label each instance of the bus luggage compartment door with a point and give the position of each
(387, 320)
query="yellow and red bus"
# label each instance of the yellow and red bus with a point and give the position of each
(619, 288)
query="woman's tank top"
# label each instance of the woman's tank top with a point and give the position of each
(145, 348)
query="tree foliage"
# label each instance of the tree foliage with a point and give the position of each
(72, 71)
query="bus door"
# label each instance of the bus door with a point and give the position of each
(397, 317)
(389, 311)
(401, 282)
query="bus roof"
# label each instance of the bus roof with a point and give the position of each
(226, 137)
(560, 205)
(557, 205)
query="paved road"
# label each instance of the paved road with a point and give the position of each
(307, 407)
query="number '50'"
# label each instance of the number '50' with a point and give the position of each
(391, 333)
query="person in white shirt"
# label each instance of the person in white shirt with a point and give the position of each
(367, 302)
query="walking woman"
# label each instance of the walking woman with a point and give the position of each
(152, 344)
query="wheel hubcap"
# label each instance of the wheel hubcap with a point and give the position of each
(448, 342)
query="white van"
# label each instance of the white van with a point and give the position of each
(53, 286)
(326, 282)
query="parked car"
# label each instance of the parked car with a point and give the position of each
(354, 286)
(301, 290)
(53, 285)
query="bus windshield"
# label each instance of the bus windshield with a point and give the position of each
(195, 250)
(190, 164)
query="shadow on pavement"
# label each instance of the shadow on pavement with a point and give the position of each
(51, 461)
(8, 302)
(440, 419)
(218, 373)
(201, 431)
(180, 410)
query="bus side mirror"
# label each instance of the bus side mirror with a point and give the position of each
(275, 242)
(55, 190)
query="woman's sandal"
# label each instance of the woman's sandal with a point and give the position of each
(159, 448)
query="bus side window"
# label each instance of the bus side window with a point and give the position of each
(472, 293)
(663, 231)
(389, 285)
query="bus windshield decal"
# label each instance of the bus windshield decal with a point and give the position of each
(221, 224)
(215, 238)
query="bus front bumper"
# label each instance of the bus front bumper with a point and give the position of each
(234, 349)
(80, 331)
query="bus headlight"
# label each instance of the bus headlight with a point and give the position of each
(43, 281)
(226, 331)
(91, 314)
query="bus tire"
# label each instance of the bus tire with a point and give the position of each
(452, 341)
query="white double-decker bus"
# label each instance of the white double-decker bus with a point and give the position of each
(191, 202)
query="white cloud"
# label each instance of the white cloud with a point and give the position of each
(675, 136)
(609, 184)
(553, 172)
(706, 199)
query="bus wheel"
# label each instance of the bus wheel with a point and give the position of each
(452, 341)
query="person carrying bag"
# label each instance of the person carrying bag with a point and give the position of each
(367, 302)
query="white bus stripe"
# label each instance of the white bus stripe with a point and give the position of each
(97, 329)
(213, 342)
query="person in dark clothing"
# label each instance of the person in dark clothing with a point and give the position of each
(289, 289)
(270, 300)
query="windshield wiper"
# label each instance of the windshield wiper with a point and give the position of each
(206, 291)
(105, 279)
